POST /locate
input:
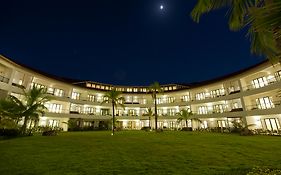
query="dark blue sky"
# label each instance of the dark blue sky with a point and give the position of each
(126, 42)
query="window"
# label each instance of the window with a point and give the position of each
(160, 112)
(50, 91)
(89, 85)
(264, 103)
(143, 101)
(204, 124)
(185, 98)
(105, 99)
(75, 95)
(259, 82)
(235, 105)
(278, 75)
(75, 108)
(135, 99)
(129, 89)
(90, 110)
(202, 110)
(218, 108)
(171, 112)
(132, 112)
(37, 85)
(221, 123)
(200, 96)
(58, 92)
(159, 101)
(52, 107)
(104, 111)
(217, 93)
(91, 97)
(272, 124)
(53, 123)
(170, 99)
(119, 112)
(99, 99)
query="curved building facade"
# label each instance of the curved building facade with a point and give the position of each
(250, 95)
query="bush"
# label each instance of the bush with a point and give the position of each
(50, 133)
(186, 129)
(246, 132)
(146, 128)
(264, 171)
(10, 132)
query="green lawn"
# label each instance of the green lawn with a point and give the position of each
(138, 152)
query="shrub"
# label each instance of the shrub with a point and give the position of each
(50, 133)
(146, 128)
(186, 129)
(264, 171)
(246, 132)
(14, 132)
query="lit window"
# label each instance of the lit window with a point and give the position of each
(52, 107)
(200, 96)
(58, 92)
(129, 89)
(185, 98)
(259, 82)
(90, 110)
(91, 97)
(278, 75)
(37, 85)
(75, 95)
(217, 93)
(202, 110)
(218, 108)
(264, 103)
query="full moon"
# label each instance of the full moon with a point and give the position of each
(161, 7)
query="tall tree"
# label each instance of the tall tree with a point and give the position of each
(184, 115)
(114, 98)
(30, 107)
(154, 89)
(261, 17)
(150, 114)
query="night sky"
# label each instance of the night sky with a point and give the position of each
(125, 42)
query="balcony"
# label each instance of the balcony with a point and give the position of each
(18, 85)
(275, 104)
(269, 82)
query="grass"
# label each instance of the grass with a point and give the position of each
(138, 152)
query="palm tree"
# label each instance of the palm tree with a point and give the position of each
(184, 115)
(114, 98)
(154, 89)
(150, 114)
(29, 108)
(261, 17)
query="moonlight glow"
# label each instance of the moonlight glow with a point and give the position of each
(161, 7)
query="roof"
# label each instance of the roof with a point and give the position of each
(83, 83)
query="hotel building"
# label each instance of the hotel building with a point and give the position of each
(250, 95)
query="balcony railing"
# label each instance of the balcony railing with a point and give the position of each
(220, 112)
(257, 86)
(275, 104)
